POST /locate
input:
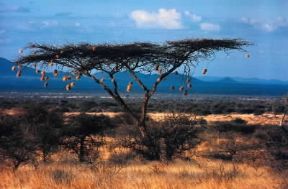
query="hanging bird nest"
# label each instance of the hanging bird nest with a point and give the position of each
(20, 51)
(43, 75)
(46, 84)
(69, 86)
(66, 78)
(204, 71)
(55, 73)
(129, 87)
(13, 68)
(72, 84)
(181, 88)
(247, 55)
(19, 73)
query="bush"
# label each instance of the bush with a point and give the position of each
(87, 106)
(236, 125)
(239, 121)
(45, 127)
(16, 144)
(165, 140)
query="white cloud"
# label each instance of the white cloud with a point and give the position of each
(77, 24)
(267, 26)
(193, 17)
(49, 23)
(210, 27)
(163, 18)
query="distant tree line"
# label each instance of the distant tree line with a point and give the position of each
(203, 106)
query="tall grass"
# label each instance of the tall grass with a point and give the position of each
(154, 175)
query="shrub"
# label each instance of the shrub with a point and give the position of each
(16, 145)
(84, 135)
(87, 105)
(45, 127)
(165, 140)
(236, 125)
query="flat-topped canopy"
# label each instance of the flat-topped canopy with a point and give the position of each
(117, 57)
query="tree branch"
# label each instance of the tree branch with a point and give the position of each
(116, 96)
(163, 76)
(136, 78)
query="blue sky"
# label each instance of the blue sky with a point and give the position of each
(262, 22)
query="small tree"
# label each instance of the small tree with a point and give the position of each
(85, 133)
(171, 137)
(45, 128)
(164, 59)
(16, 145)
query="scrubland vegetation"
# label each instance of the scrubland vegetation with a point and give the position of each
(41, 146)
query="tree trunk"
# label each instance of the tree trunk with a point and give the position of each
(44, 153)
(81, 154)
(142, 127)
(282, 123)
(143, 116)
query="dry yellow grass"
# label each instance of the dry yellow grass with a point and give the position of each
(66, 173)
(252, 119)
(177, 175)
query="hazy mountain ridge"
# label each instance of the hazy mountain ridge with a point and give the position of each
(244, 80)
(202, 85)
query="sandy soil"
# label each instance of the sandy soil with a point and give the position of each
(12, 112)
(264, 119)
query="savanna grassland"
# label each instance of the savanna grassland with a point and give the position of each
(203, 143)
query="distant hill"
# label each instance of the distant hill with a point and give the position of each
(245, 80)
(5, 67)
(202, 85)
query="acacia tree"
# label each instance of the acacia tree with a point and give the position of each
(85, 131)
(88, 59)
(16, 145)
(44, 128)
